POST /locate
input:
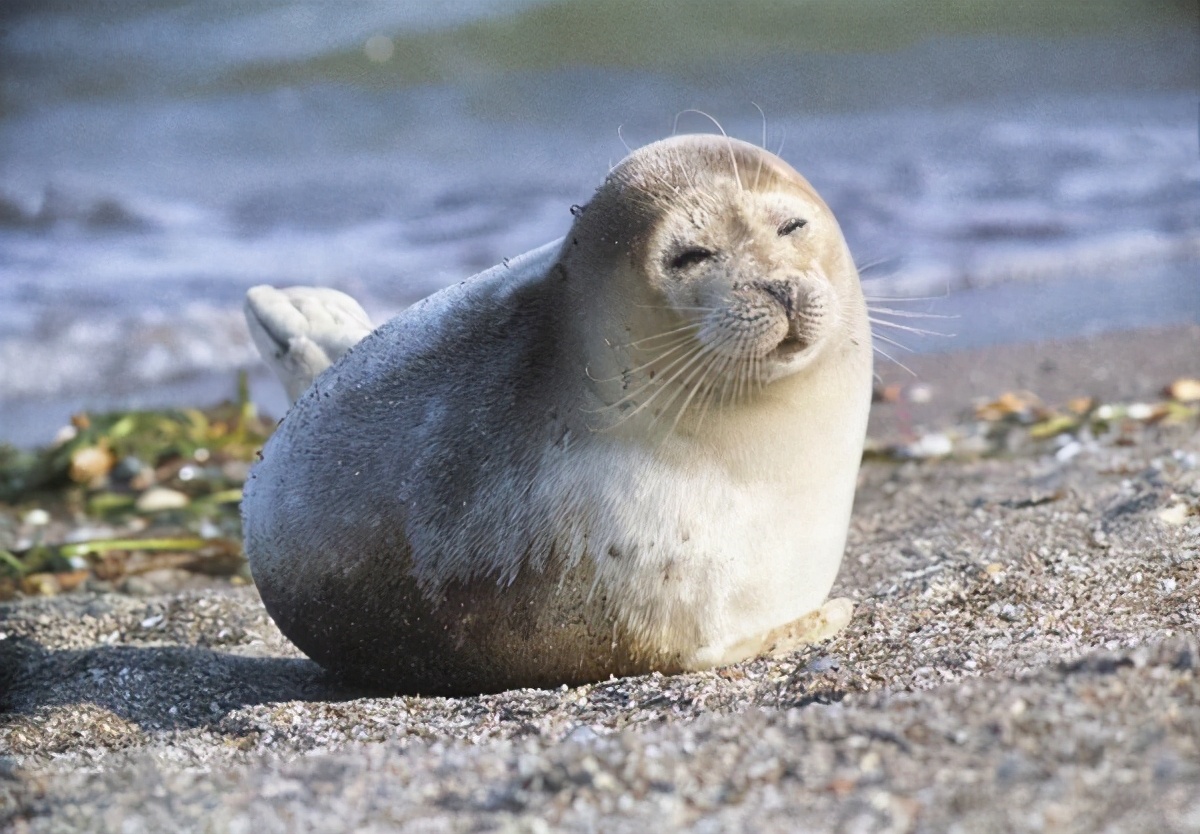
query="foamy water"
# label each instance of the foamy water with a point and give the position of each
(156, 163)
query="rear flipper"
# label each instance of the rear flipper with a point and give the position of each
(813, 627)
(301, 331)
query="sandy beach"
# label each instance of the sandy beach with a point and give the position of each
(1023, 656)
(1024, 552)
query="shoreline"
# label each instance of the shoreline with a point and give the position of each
(1123, 366)
(1024, 654)
(1015, 365)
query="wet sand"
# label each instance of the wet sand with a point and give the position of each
(1023, 656)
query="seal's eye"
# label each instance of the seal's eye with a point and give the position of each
(791, 226)
(690, 257)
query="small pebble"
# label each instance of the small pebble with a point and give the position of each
(37, 518)
(920, 393)
(158, 499)
(1175, 515)
(931, 446)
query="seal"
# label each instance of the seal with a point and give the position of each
(631, 450)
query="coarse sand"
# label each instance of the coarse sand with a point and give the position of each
(1023, 656)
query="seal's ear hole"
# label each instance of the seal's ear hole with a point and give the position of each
(792, 225)
(691, 256)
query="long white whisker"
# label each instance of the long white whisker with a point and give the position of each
(732, 158)
(878, 262)
(908, 314)
(710, 394)
(883, 338)
(676, 335)
(762, 113)
(664, 349)
(726, 387)
(751, 375)
(761, 157)
(712, 390)
(675, 332)
(718, 364)
(710, 350)
(622, 138)
(665, 381)
(665, 353)
(888, 356)
(729, 387)
(919, 331)
(706, 399)
(732, 378)
(715, 394)
(899, 299)
(739, 379)
(657, 381)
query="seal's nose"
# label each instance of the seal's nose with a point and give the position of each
(796, 297)
(785, 294)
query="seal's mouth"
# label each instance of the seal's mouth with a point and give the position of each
(804, 325)
(781, 323)
(802, 307)
(790, 346)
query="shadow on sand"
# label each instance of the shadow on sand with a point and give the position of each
(157, 687)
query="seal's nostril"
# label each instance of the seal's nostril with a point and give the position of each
(783, 294)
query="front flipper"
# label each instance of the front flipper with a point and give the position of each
(301, 331)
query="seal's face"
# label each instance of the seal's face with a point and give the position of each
(743, 250)
(747, 267)
(725, 272)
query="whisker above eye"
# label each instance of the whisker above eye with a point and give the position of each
(732, 156)
(763, 114)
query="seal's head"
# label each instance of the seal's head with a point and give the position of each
(733, 271)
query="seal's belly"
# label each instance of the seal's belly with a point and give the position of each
(691, 563)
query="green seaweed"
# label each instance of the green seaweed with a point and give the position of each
(103, 469)
(229, 431)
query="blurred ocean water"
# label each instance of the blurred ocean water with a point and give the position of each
(1031, 166)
